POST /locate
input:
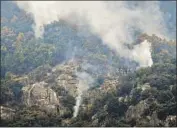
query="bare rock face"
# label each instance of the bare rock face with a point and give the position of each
(67, 78)
(39, 74)
(41, 95)
(7, 113)
(48, 87)
(142, 115)
(135, 112)
(39, 91)
(109, 84)
(170, 121)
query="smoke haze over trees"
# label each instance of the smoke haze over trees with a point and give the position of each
(88, 63)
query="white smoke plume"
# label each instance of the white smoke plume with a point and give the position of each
(113, 21)
(85, 80)
(142, 53)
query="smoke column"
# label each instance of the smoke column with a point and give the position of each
(78, 100)
(114, 22)
(85, 81)
(142, 53)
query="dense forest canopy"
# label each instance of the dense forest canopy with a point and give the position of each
(119, 92)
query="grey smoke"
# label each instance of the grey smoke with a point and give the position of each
(114, 21)
(85, 81)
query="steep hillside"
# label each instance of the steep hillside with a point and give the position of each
(70, 77)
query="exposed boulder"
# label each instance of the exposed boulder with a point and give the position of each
(39, 74)
(7, 113)
(143, 114)
(109, 84)
(41, 95)
(67, 78)
(170, 121)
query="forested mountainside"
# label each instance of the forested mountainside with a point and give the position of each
(41, 77)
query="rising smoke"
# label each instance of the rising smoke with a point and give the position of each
(85, 81)
(114, 22)
(142, 53)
